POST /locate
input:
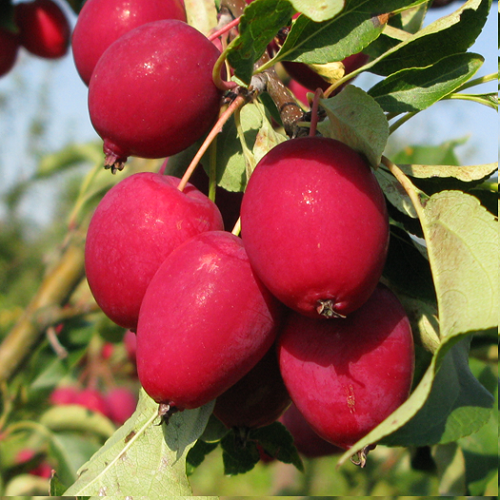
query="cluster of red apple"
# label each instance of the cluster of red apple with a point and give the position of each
(40, 26)
(291, 311)
(117, 404)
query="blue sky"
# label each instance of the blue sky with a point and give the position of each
(53, 89)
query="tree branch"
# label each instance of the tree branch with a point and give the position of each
(55, 289)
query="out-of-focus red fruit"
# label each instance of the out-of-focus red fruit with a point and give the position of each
(307, 442)
(257, 399)
(324, 191)
(205, 322)
(42, 469)
(130, 342)
(9, 47)
(311, 80)
(101, 22)
(347, 375)
(93, 400)
(135, 226)
(64, 395)
(44, 29)
(107, 350)
(120, 403)
(152, 93)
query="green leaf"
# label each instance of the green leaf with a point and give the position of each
(355, 119)
(349, 32)
(277, 441)
(462, 240)
(259, 136)
(441, 154)
(258, 26)
(447, 35)
(393, 191)
(416, 89)
(76, 418)
(57, 488)
(196, 455)
(70, 451)
(201, 14)
(450, 469)
(144, 458)
(68, 157)
(480, 450)
(318, 10)
(24, 486)
(239, 455)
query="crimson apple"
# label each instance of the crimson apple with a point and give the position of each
(347, 375)
(152, 93)
(135, 226)
(205, 321)
(101, 22)
(315, 226)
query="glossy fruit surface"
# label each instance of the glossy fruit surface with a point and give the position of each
(257, 399)
(315, 226)
(101, 22)
(44, 29)
(9, 47)
(133, 229)
(152, 94)
(205, 322)
(307, 442)
(311, 80)
(347, 375)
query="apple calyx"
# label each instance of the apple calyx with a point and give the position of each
(362, 455)
(326, 308)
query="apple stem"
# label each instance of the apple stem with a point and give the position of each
(314, 111)
(224, 29)
(224, 117)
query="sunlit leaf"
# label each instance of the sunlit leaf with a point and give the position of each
(418, 88)
(143, 458)
(355, 119)
(259, 24)
(201, 14)
(318, 10)
(447, 35)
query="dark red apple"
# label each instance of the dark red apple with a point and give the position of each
(307, 442)
(44, 29)
(347, 375)
(9, 47)
(257, 399)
